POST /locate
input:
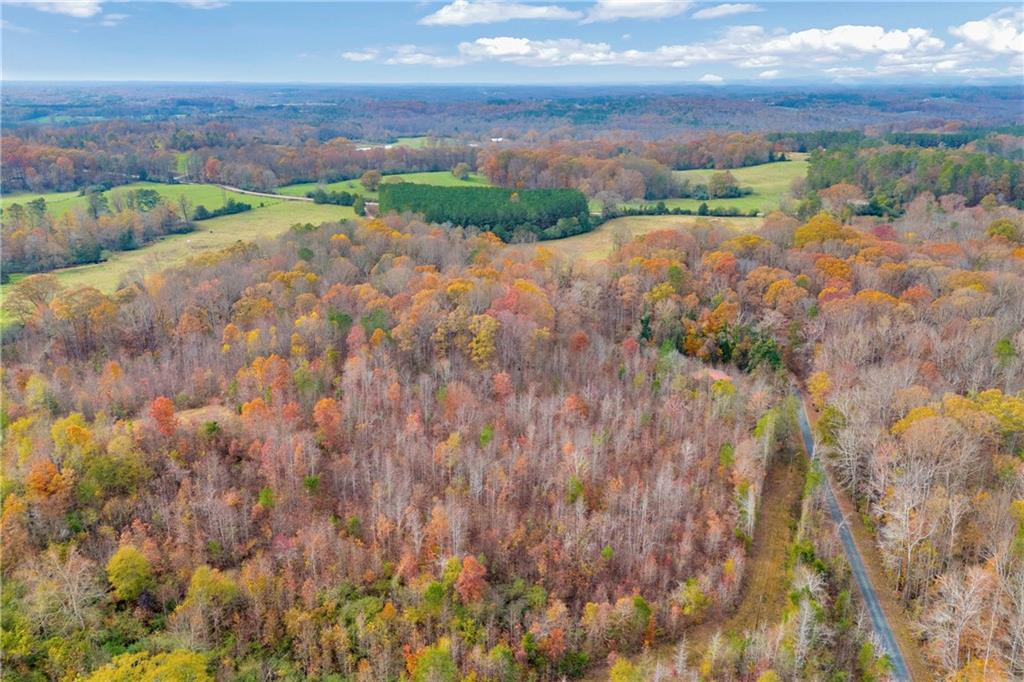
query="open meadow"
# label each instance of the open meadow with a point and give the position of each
(440, 178)
(601, 241)
(209, 235)
(770, 182)
(210, 196)
(268, 218)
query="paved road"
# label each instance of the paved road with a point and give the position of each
(285, 197)
(879, 622)
(180, 179)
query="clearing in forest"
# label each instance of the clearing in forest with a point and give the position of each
(210, 196)
(440, 178)
(209, 235)
(601, 241)
(770, 182)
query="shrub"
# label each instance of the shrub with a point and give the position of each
(129, 573)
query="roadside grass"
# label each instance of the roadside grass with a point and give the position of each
(770, 182)
(209, 235)
(209, 196)
(599, 243)
(300, 189)
(439, 178)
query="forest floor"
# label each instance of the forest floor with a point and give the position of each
(766, 579)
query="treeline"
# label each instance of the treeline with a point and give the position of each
(891, 177)
(620, 171)
(336, 197)
(261, 166)
(264, 158)
(732, 150)
(625, 176)
(617, 211)
(1005, 139)
(230, 208)
(44, 163)
(36, 240)
(117, 152)
(545, 213)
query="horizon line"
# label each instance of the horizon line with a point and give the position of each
(1002, 81)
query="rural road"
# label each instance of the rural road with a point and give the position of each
(879, 621)
(268, 195)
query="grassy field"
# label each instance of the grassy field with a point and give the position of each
(213, 234)
(209, 196)
(272, 217)
(441, 178)
(770, 182)
(598, 244)
(417, 142)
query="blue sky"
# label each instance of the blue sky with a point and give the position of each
(506, 41)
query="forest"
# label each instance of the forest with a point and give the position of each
(894, 175)
(541, 213)
(364, 421)
(382, 113)
(407, 446)
(35, 239)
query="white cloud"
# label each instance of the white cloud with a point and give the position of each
(711, 78)
(80, 9)
(111, 20)
(749, 47)
(360, 56)
(847, 51)
(726, 10)
(847, 39)
(560, 52)
(612, 10)
(8, 26)
(1001, 32)
(467, 12)
(410, 55)
(203, 4)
